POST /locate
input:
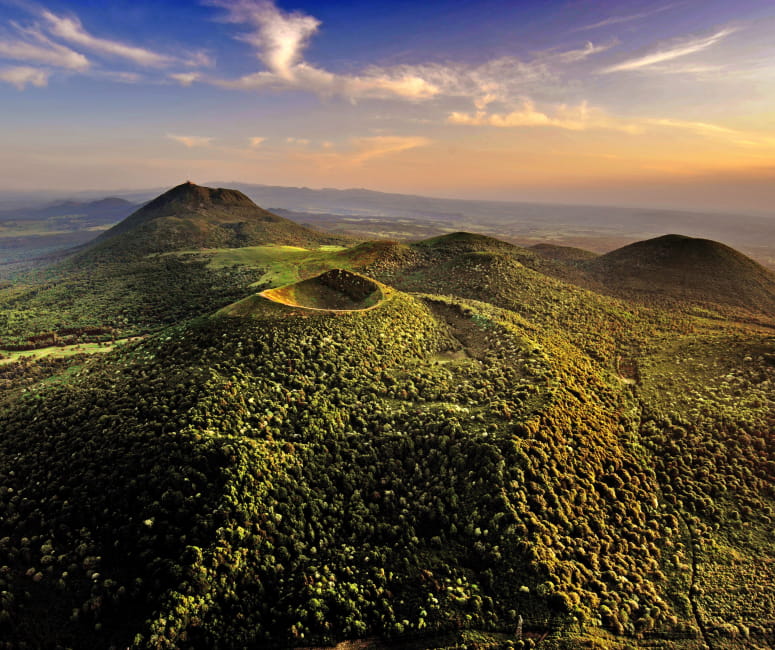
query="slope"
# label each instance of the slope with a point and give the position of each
(124, 283)
(280, 476)
(191, 217)
(676, 269)
(300, 478)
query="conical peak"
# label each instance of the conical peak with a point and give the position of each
(197, 196)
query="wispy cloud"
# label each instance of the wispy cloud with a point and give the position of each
(709, 130)
(256, 142)
(589, 49)
(70, 29)
(359, 151)
(38, 48)
(23, 76)
(191, 141)
(573, 118)
(384, 145)
(675, 51)
(628, 18)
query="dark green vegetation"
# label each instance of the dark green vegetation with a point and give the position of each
(122, 284)
(678, 269)
(490, 455)
(193, 217)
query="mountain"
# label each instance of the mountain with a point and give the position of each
(92, 213)
(595, 227)
(122, 283)
(437, 444)
(190, 217)
(677, 268)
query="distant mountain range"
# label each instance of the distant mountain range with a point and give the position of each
(327, 207)
(101, 211)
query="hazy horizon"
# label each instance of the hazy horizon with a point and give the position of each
(657, 105)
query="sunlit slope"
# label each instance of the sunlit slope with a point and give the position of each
(406, 469)
(603, 327)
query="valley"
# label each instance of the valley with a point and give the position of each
(234, 430)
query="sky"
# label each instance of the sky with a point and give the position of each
(664, 103)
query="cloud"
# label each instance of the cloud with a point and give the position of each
(22, 76)
(589, 49)
(256, 141)
(120, 76)
(280, 40)
(383, 145)
(710, 130)
(40, 49)
(676, 51)
(301, 141)
(190, 141)
(71, 30)
(359, 151)
(186, 78)
(573, 118)
(618, 20)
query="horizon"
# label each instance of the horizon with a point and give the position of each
(50, 196)
(659, 106)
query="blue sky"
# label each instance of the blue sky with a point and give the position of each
(659, 103)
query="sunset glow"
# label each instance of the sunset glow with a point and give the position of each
(653, 103)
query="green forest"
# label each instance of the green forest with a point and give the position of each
(487, 455)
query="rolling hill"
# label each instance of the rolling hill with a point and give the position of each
(92, 213)
(678, 269)
(436, 444)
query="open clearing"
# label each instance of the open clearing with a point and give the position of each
(60, 352)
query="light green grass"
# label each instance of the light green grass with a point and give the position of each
(59, 352)
(281, 264)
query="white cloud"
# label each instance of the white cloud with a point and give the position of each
(589, 49)
(618, 20)
(186, 78)
(280, 39)
(573, 118)
(40, 49)
(190, 141)
(256, 141)
(301, 141)
(22, 76)
(71, 30)
(674, 52)
(359, 151)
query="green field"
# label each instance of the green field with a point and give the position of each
(281, 264)
(59, 352)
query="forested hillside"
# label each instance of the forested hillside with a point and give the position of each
(464, 450)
